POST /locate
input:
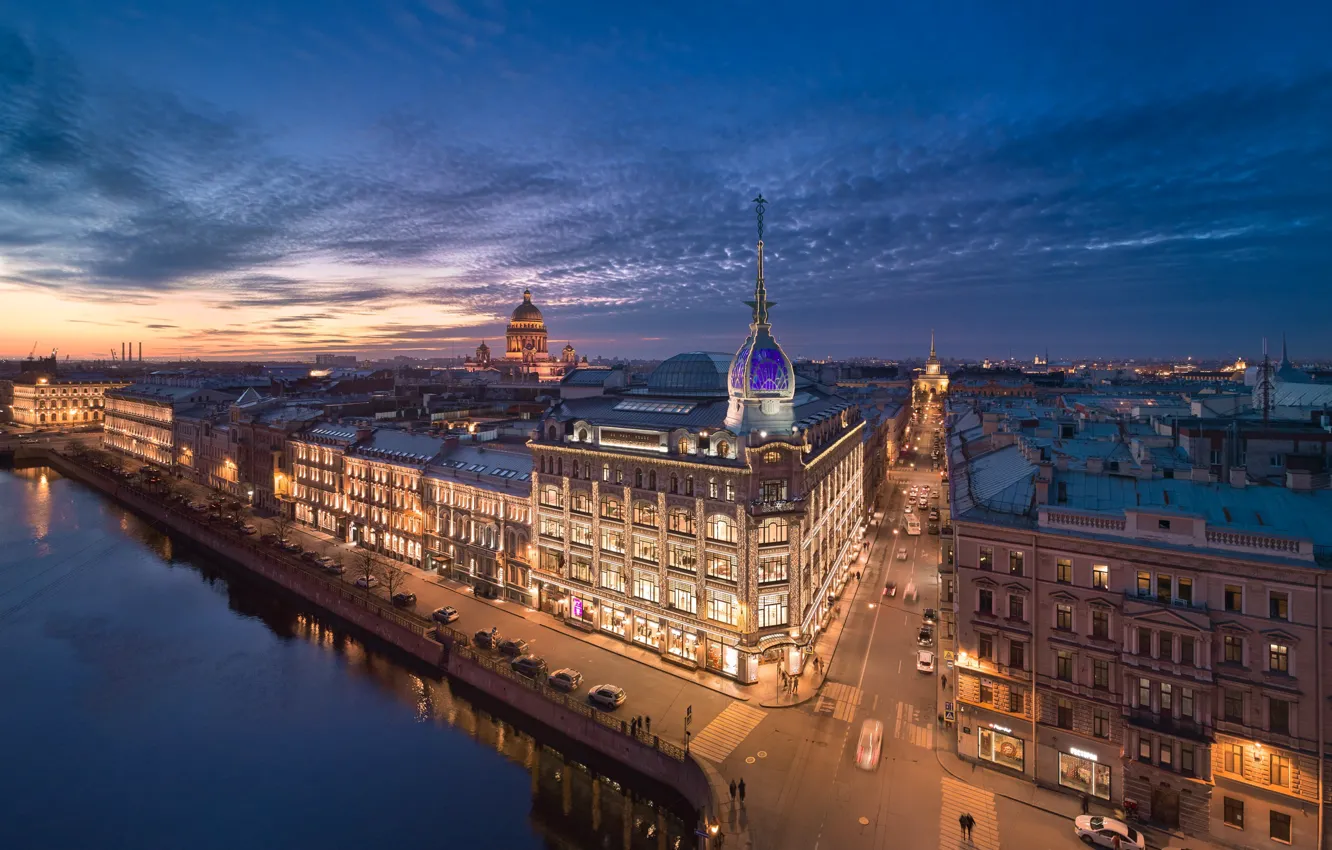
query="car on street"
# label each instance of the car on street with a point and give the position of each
(932, 528)
(565, 679)
(890, 589)
(934, 513)
(609, 697)
(447, 614)
(925, 637)
(309, 556)
(248, 528)
(869, 747)
(334, 568)
(367, 582)
(1100, 831)
(925, 661)
(513, 646)
(930, 616)
(911, 594)
(324, 561)
(404, 599)
(290, 546)
(531, 666)
(908, 510)
(901, 553)
(485, 639)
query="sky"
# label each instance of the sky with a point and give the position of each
(243, 179)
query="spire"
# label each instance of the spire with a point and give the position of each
(527, 296)
(760, 303)
(931, 343)
(1284, 358)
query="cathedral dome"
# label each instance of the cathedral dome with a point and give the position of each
(527, 311)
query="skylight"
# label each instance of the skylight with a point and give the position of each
(655, 406)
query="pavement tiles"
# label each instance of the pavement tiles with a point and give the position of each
(959, 798)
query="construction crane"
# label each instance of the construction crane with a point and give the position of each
(113, 355)
(33, 353)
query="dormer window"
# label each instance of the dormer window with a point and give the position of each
(682, 447)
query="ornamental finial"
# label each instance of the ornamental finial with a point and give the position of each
(759, 204)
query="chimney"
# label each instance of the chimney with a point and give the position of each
(1239, 477)
(450, 442)
(1095, 465)
(140, 352)
(122, 352)
(1043, 479)
(1299, 479)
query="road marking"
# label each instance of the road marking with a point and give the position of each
(840, 700)
(720, 737)
(958, 799)
(910, 728)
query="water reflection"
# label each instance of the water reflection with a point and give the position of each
(136, 651)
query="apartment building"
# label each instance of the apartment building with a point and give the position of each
(1131, 629)
(140, 419)
(52, 400)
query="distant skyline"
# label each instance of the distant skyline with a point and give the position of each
(277, 179)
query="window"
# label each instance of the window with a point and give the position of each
(1145, 693)
(645, 513)
(605, 472)
(1278, 716)
(612, 540)
(987, 557)
(1278, 460)
(1167, 699)
(683, 522)
(1186, 656)
(723, 448)
(985, 650)
(645, 549)
(652, 479)
(1165, 649)
(1186, 760)
(611, 577)
(1015, 701)
(1064, 617)
(1280, 771)
(772, 610)
(1163, 524)
(552, 528)
(1278, 658)
(1184, 591)
(1100, 624)
(714, 491)
(1064, 571)
(682, 446)
(611, 508)
(985, 602)
(1234, 598)
(1186, 703)
(1100, 576)
(773, 490)
(645, 586)
(1278, 826)
(551, 496)
(1017, 655)
(1064, 713)
(1145, 749)
(1164, 586)
(1015, 563)
(1144, 583)
(721, 528)
(582, 503)
(638, 478)
(1233, 812)
(1144, 642)
(1100, 673)
(1232, 758)
(683, 598)
(1278, 605)
(675, 483)
(1233, 706)
(730, 489)
(772, 530)
(722, 608)
(721, 566)
(683, 558)
(986, 692)
(1101, 723)
(1016, 607)
(772, 568)
(1064, 665)
(580, 533)
(689, 485)
(1234, 649)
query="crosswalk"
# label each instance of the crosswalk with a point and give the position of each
(719, 738)
(839, 700)
(912, 727)
(960, 798)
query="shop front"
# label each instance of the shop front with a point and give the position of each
(998, 745)
(722, 657)
(647, 631)
(1083, 771)
(615, 620)
(682, 644)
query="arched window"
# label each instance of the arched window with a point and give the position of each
(611, 508)
(723, 448)
(552, 433)
(638, 478)
(722, 528)
(682, 522)
(730, 490)
(675, 483)
(683, 446)
(619, 475)
(645, 513)
(605, 472)
(552, 496)
(772, 530)
(583, 436)
(689, 485)
(712, 488)
(575, 468)
(559, 466)
(652, 479)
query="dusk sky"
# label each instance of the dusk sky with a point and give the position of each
(242, 178)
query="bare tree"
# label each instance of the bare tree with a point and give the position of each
(394, 577)
(366, 568)
(281, 525)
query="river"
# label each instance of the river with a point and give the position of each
(152, 698)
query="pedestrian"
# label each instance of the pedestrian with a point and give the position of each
(648, 722)
(742, 789)
(971, 824)
(732, 790)
(1086, 803)
(962, 823)
(944, 680)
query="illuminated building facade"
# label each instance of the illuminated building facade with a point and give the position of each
(140, 419)
(55, 401)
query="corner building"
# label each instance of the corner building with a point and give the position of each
(712, 516)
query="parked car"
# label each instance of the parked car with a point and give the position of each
(247, 528)
(948, 529)
(367, 582)
(869, 747)
(934, 513)
(925, 637)
(485, 639)
(890, 589)
(404, 599)
(513, 646)
(268, 538)
(324, 561)
(309, 556)
(1101, 832)
(531, 666)
(565, 679)
(290, 546)
(932, 528)
(930, 616)
(925, 661)
(335, 568)
(445, 615)
(609, 697)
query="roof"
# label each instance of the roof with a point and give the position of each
(483, 465)
(392, 445)
(587, 376)
(693, 373)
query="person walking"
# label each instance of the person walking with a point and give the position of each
(962, 824)
(1086, 803)
(732, 790)
(742, 790)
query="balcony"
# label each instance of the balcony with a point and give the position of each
(1148, 596)
(1180, 727)
(775, 506)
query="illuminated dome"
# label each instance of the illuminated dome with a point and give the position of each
(527, 311)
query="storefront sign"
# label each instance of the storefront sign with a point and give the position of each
(630, 439)
(996, 727)
(577, 608)
(1082, 754)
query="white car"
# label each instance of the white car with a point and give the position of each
(367, 582)
(608, 697)
(909, 510)
(870, 745)
(1101, 832)
(925, 661)
(901, 554)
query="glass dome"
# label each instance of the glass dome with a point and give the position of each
(691, 373)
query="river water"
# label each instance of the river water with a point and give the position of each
(151, 698)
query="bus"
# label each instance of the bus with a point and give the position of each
(913, 524)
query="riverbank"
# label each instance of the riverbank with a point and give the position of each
(446, 651)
